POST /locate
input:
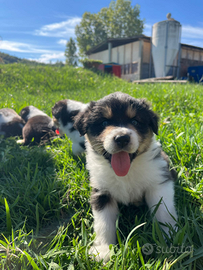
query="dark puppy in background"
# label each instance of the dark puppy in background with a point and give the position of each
(126, 164)
(39, 126)
(11, 124)
(30, 111)
(63, 113)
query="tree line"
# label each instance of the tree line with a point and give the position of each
(120, 19)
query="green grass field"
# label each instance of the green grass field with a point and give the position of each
(45, 215)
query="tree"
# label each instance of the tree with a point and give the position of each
(70, 53)
(120, 19)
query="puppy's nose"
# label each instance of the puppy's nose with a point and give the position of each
(122, 140)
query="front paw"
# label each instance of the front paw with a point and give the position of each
(100, 252)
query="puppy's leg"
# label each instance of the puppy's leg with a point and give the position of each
(166, 209)
(105, 211)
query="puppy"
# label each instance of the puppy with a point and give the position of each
(63, 113)
(11, 124)
(30, 111)
(125, 163)
(39, 126)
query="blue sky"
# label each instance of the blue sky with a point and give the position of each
(39, 29)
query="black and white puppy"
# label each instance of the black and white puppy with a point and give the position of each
(30, 111)
(39, 126)
(63, 113)
(11, 124)
(125, 163)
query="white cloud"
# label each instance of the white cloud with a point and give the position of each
(62, 29)
(62, 42)
(20, 47)
(53, 57)
(192, 32)
(45, 57)
(147, 30)
(193, 42)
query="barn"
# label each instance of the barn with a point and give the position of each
(134, 55)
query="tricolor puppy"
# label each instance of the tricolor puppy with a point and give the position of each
(30, 111)
(125, 163)
(11, 124)
(39, 126)
(63, 113)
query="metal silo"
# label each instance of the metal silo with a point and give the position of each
(165, 46)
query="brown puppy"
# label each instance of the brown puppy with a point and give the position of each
(39, 126)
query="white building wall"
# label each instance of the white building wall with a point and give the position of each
(190, 55)
(114, 55)
(127, 55)
(196, 55)
(124, 54)
(183, 53)
(121, 55)
(132, 56)
(135, 53)
(103, 56)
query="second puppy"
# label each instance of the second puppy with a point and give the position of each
(39, 126)
(63, 113)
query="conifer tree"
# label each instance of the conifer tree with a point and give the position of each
(70, 53)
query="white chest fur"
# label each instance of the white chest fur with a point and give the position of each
(145, 172)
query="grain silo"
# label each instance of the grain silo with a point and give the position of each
(166, 46)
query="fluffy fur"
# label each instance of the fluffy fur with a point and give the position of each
(63, 113)
(30, 111)
(11, 124)
(39, 126)
(120, 125)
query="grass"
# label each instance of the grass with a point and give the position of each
(45, 215)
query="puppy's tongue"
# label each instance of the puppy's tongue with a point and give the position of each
(120, 163)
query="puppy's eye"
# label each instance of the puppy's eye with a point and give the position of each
(134, 122)
(105, 123)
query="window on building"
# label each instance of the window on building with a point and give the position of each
(123, 69)
(196, 55)
(134, 67)
(126, 69)
(183, 53)
(190, 55)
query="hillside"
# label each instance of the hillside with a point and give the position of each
(45, 214)
(9, 59)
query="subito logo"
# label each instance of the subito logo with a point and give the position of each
(147, 249)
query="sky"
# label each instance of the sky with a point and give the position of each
(39, 29)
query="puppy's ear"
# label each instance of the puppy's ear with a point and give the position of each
(57, 109)
(81, 119)
(154, 119)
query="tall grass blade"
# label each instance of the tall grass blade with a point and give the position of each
(8, 217)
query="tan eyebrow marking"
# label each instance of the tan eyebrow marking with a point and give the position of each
(131, 112)
(107, 112)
